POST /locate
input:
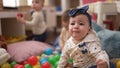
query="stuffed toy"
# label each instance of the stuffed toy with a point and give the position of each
(109, 39)
(4, 56)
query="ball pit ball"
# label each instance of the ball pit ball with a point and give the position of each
(55, 64)
(19, 66)
(70, 60)
(43, 60)
(28, 66)
(52, 60)
(6, 65)
(57, 57)
(36, 66)
(23, 62)
(13, 63)
(48, 51)
(46, 65)
(32, 60)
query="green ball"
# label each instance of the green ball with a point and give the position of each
(28, 66)
(57, 57)
(70, 60)
(13, 63)
(56, 64)
(51, 60)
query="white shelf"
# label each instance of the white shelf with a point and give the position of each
(9, 14)
(14, 26)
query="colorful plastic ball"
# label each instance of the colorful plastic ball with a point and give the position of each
(52, 60)
(13, 63)
(43, 60)
(18, 66)
(32, 60)
(6, 65)
(55, 64)
(46, 65)
(36, 66)
(24, 62)
(57, 57)
(44, 55)
(38, 57)
(27, 66)
(48, 51)
(70, 60)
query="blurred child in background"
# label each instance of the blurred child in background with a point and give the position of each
(64, 35)
(37, 23)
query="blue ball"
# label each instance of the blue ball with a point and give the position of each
(49, 51)
(43, 60)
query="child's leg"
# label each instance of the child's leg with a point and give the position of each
(41, 37)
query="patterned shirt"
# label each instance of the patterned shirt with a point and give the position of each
(85, 53)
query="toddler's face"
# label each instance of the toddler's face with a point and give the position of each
(37, 4)
(79, 27)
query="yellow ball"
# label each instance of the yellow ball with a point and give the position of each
(6, 65)
(37, 66)
(118, 64)
(38, 57)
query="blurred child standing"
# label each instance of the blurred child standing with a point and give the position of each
(37, 23)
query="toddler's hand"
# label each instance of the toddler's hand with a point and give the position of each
(101, 63)
(20, 18)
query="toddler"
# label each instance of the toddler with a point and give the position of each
(83, 46)
(37, 23)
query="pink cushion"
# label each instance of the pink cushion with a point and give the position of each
(20, 51)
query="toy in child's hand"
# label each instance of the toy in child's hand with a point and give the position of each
(20, 15)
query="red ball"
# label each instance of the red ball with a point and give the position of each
(18, 66)
(46, 65)
(20, 15)
(24, 62)
(32, 60)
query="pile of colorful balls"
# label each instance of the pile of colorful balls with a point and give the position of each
(49, 59)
